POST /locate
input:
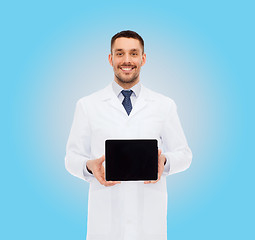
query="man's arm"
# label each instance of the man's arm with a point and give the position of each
(175, 147)
(78, 145)
(77, 160)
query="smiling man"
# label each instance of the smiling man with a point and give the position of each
(127, 57)
(125, 109)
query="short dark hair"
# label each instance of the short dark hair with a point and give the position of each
(127, 34)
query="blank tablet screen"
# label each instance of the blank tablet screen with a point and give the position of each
(131, 159)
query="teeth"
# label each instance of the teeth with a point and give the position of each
(126, 69)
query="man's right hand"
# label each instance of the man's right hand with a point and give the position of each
(97, 168)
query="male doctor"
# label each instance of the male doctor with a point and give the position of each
(125, 109)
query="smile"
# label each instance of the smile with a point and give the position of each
(127, 69)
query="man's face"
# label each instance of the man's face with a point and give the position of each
(126, 59)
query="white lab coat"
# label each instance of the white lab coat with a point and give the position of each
(129, 210)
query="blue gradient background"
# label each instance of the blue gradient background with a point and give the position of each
(200, 53)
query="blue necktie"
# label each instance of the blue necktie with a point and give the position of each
(126, 101)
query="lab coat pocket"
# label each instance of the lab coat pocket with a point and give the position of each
(99, 210)
(155, 208)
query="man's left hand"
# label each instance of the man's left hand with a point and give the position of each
(161, 161)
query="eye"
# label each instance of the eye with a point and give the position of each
(134, 54)
(119, 54)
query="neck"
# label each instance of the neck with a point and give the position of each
(126, 85)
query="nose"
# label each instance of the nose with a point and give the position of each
(127, 58)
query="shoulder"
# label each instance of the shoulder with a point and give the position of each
(95, 97)
(158, 97)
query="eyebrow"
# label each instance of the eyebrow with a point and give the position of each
(131, 50)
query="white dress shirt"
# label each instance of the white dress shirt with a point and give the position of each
(135, 94)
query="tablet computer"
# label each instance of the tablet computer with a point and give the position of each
(131, 159)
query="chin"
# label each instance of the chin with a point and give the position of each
(127, 81)
(132, 80)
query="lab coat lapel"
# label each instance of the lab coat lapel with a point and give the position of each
(141, 102)
(114, 102)
(139, 105)
(110, 97)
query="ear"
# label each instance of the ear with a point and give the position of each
(143, 59)
(110, 58)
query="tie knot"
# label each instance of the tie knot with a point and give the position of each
(126, 93)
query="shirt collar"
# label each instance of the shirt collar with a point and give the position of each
(117, 88)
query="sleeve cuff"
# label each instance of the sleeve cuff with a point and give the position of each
(88, 170)
(88, 175)
(166, 167)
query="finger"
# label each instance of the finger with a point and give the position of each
(159, 152)
(161, 160)
(101, 159)
(106, 183)
(101, 180)
(100, 177)
(159, 175)
(147, 182)
(116, 182)
(111, 183)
